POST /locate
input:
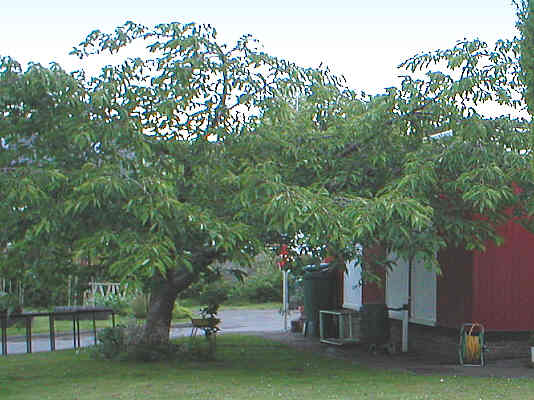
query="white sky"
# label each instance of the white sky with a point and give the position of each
(364, 40)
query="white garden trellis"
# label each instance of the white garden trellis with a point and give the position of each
(105, 289)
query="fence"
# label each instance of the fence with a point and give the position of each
(75, 315)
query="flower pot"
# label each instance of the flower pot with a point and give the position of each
(205, 322)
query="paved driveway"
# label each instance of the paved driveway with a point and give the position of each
(231, 321)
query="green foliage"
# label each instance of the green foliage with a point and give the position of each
(119, 304)
(262, 282)
(139, 305)
(525, 10)
(9, 303)
(197, 153)
(261, 289)
(264, 285)
(124, 343)
(111, 343)
(211, 298)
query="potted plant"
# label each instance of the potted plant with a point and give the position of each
(208, 320)
(212, 295)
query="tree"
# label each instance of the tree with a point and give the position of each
(198, 152)
(393, 183)
(131, 166)
(525, 24)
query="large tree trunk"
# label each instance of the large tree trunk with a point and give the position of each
(164, 291)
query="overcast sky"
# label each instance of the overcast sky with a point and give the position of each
(363, 40)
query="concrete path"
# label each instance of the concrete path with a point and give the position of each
(231, 321)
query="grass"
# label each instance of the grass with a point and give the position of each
(246, 368)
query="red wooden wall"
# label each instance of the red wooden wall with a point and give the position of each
(495, 287)
(504, 282)
(455, 288)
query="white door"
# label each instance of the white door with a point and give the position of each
(352, 288)
(397, 286)
(424, 288)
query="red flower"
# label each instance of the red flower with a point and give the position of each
(284, 256)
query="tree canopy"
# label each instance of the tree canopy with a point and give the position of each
(198, 151)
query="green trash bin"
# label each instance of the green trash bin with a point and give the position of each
(319, 290)
(374, 323)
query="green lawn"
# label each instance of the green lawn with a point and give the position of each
(246, 368)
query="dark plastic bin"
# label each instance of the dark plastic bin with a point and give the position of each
(319, 290)
(374, 323)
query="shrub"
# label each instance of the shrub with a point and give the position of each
(264, 286)
(264, 283)
(111, 343)
(124, 342)
(119, 304)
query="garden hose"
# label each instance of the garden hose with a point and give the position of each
(472, 345)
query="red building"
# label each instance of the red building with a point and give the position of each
(495, 288)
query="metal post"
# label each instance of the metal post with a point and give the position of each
(351, 335)
(405, 330)
(28, 334)
(94, 325)
(285, 298)
(74, 329)
(3, 322)
(68, 291)
(52, 332)
(78, 329)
